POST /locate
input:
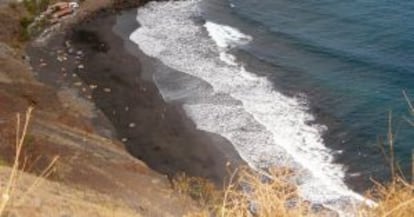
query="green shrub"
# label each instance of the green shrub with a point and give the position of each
(24, 33)
(35, 7)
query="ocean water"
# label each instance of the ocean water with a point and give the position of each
(305, 84)
(351, 60)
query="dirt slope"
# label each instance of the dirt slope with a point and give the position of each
(94, 176)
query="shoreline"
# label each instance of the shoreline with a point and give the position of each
(158, 133)
(334, 137)
(93, 88)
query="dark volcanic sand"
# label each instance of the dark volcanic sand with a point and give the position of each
(158, 133)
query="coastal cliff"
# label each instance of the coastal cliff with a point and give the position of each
(86, 130)
(94, 174)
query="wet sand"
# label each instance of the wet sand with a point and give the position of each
(111, 71)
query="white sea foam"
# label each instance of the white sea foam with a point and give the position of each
(266, 127)
(226, 36)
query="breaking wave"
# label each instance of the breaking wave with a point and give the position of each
(266, 127)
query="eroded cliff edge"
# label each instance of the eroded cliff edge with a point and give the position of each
(95, 175)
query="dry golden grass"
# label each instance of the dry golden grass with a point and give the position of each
(247, 193)
(251, 194)
(273, 195)
(394, 199)
(7, 191)
(20, 192)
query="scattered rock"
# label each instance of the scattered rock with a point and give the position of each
(74, 75)
(132, 125)
(78, 83)
(67, 44)
(107, 90)
(61, 58)
(93, 86)
(81, 66)
(124, 139)
(126, 108)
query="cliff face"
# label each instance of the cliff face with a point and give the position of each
(94, 175)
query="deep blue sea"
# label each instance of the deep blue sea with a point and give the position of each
(307, 84)
(352, 60)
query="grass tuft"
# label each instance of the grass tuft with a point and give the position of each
(248, 193)
(8, 198)
(395, 199)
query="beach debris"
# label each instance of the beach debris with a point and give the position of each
(60, 10)
(93, 86)
(67, 44)
(74, 75)
(89, 96)
(81, 66)
(79, 55)
(107, 90)
(42, 64)
(124, 139)
(71, 50)
(78, 83)
(60, 58)
(83, 89)
(131, 125)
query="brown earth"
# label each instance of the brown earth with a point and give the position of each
(10, 23)
(95, 175)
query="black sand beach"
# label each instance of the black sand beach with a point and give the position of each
(105, 69)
